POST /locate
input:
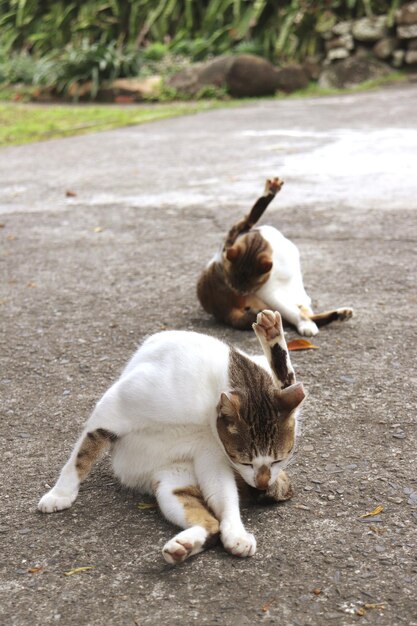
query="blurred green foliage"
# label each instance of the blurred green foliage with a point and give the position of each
(276, 29)
(58, 43)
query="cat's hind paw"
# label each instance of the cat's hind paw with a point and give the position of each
(238, 542)
(344, 314)
(273, 185)
(187, 543)
(307, 328)
(52, 502)
(268, 324)
(281, 489)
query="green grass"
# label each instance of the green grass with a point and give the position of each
(20, 123)
(314, 90)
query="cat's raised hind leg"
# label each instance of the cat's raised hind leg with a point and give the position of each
(326, 317)
(181, 502)
(90, 446)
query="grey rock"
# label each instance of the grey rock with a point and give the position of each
(407, 14)
(384, 48)
(243, 75)
(186, 80)
(370, 28)
(347, 379)
(413, 498)
(251, 76)
(337, 54)
(407, 32)
(291, 78)
(312, 67)
(342, 28)
(398, 58)
(133, 89)
(351, 72)
(411, 57)
(343, 41)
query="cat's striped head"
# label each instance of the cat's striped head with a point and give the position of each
(258, 431)
(248, 262)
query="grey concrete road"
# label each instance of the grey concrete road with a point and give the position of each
(84, 278)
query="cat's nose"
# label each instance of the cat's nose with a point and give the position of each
(263, 477)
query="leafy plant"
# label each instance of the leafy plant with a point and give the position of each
(95, 63)
(197, 28)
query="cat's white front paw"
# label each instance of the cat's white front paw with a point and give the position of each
(237, 541)
(51, 502)
(307, 328)
(188, 542)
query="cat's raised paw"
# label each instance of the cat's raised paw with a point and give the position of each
(238, 542)
(186, 543)
(268, 324)
(273, 185)
(307, 328)
(52, 502)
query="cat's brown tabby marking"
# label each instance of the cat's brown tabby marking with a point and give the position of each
(94, 445)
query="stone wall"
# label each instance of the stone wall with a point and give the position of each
(372, 38)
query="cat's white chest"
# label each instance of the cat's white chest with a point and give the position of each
(286, 277)
(137, 456)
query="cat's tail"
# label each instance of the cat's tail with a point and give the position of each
(272, 187)
(326, 317)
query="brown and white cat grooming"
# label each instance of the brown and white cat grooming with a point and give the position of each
(259, 268)
(190, 420)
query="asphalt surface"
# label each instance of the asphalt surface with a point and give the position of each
(86, 277)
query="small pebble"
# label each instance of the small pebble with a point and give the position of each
(347, 379)
(413, 498)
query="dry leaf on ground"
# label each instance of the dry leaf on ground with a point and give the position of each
(301, 344)
(377, 510)
(98, 229)
(35, 570)
(143, 506)
(70, 194)
(78, 570)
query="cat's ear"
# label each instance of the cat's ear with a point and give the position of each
(290, 398)
(232, 253)
(264, 264)
(228, 405)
